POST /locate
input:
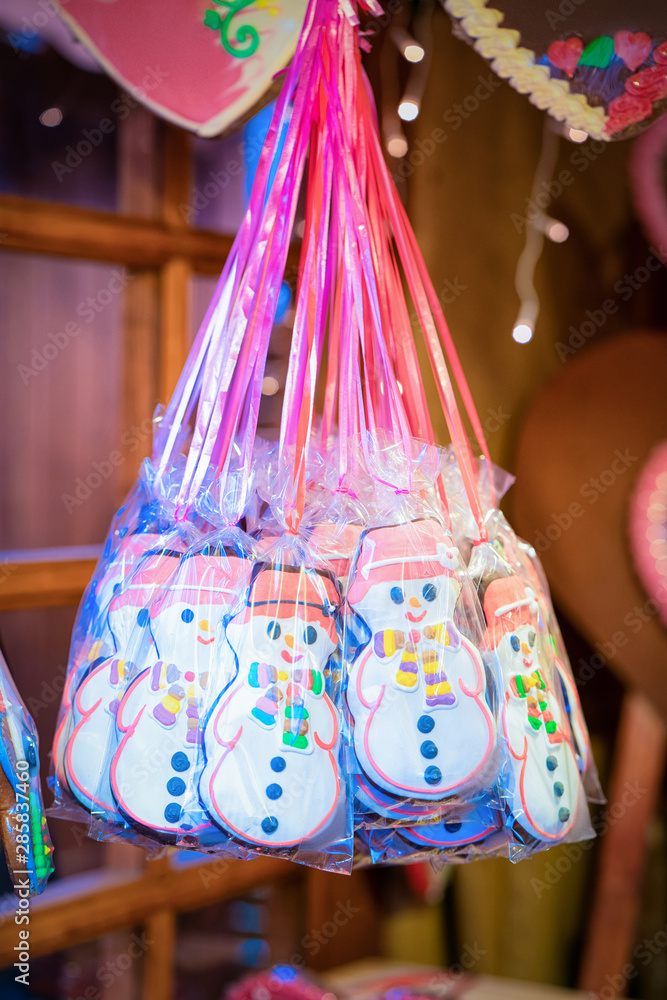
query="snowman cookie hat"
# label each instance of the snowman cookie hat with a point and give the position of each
(279, 590)
(151, 574)
(205, 578)
(333, 545)
(421, 549)
(508, 604)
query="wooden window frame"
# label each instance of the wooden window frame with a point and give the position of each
(85, 907)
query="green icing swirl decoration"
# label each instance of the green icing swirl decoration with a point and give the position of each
(247, 37)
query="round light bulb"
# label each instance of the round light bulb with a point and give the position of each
(397, 146)
(270, 386)
(408, 110)
(556, 231)
(413, 52)
(577, 135)
(51, 117)
(522, 333)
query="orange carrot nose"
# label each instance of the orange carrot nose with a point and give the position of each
(525, 648)
(413, 602)
(204, 625)
(289, 639)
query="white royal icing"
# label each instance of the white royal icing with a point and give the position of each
(266, 782)
(422, 726)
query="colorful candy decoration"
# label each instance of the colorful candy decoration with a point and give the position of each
(23, 830)
(201, 69)
(600, 69)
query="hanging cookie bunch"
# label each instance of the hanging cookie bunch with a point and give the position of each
(289, 644)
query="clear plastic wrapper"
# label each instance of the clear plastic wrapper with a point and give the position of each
(25, 836)
(540, 780)
(274, 777)
(287, 638)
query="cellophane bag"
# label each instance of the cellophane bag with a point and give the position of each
(25, 836)
(287, 642)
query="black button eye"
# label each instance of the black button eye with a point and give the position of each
(396, 595)
(142, 617)
(429, 592)
(531, 639)
(273, 630)
(516, 645)
(310, 635)
(187, 616)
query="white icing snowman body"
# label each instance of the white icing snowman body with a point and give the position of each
(95, 705)
(544, 791)
(93, 709)
(272, 775)
(417, 691)
(160, 720)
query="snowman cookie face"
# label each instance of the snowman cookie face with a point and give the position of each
(422, 726)
(543, 786)
(272, 776)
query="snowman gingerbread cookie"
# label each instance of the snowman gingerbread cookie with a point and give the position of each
(543, 786)
(95, 703)
(272, 776)
(161, 718)
(417, 691)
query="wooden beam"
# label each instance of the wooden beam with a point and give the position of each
(159, 960)
(40, 578)
(175, 279)
(88, 906)
(639, 763)
(65, 231)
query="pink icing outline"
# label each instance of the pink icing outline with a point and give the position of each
(229, 745)
(129, 730)
(481, 704)
(85, 716)
(524, 757)
(453, 843)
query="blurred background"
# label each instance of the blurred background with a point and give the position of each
(90, 343)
